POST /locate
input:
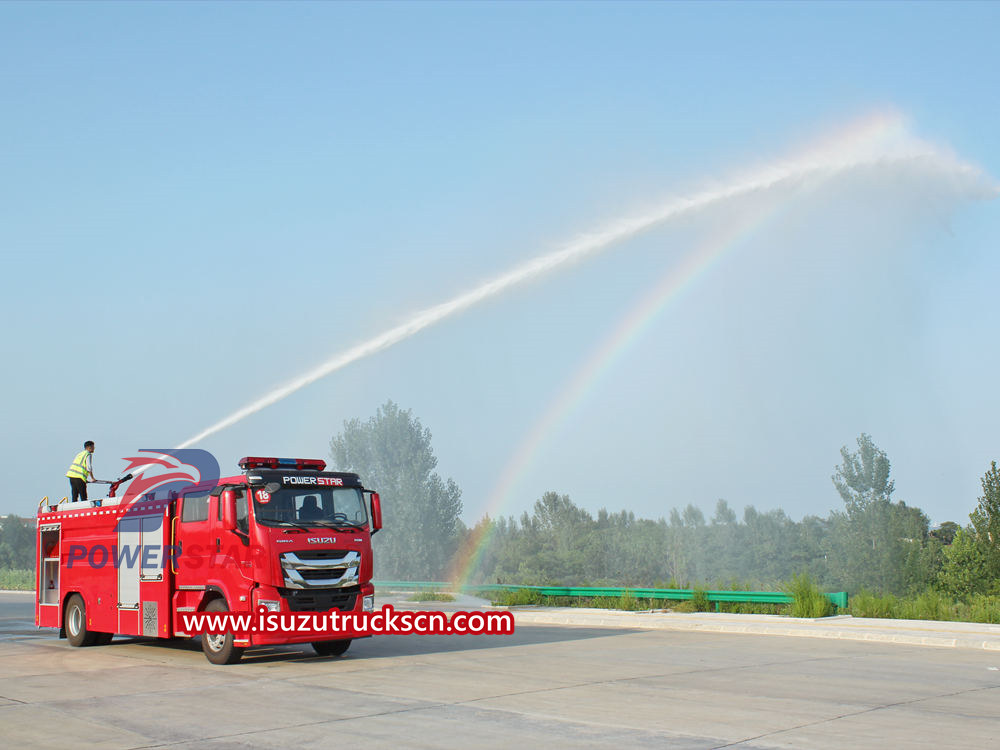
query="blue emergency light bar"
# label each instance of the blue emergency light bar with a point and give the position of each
(264, 462)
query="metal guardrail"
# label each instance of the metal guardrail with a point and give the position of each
(838, 599)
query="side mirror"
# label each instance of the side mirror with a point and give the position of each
(376, 512)
(228, 500)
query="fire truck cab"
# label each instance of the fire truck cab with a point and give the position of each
(285, 534)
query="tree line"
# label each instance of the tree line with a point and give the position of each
(874, 542)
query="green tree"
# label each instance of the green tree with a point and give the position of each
(945, 533)
(876, 543)
(678, 548)
(566, 546)
(17, 542)
(862, 531)
(863, 477)
(767, 537)
(722, 543)
(986, 521)
(972, 561)
(392, 453)
(964, 568)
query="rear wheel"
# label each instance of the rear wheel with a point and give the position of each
(220, 649)
(331, 648)
(75, 622)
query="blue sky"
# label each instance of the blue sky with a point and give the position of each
(199, 201)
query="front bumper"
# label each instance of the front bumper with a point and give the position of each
(314, 602)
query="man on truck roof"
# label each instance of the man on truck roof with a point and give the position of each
(81, 471)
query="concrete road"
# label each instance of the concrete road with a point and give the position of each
(545, 686)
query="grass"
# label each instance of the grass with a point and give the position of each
(431, 596)
(517, 597)
(754, 608)
(867, 604)
(626, 602)
(523, 597)
(697, 603)
(984, 609)
(12, 579)
(929, 605)
(807, 599)
(630, 603)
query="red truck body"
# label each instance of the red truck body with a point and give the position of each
(285, 534)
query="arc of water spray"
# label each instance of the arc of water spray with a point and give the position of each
(839, 155)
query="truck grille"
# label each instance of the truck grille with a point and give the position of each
(321, 554)
(320, 600)
(311, 574)
(320, 568)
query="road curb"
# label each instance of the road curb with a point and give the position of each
(908, 632)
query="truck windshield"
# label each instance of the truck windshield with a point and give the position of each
(316, 506)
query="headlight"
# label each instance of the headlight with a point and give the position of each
(271, 605)
(368, 604)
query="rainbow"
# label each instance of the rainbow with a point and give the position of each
(873, 133)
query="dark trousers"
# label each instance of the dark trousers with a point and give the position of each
(79, 489)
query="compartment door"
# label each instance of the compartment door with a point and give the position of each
(152, 538)
(130, 553)
(48, 612)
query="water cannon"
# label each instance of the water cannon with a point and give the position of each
(115, 484)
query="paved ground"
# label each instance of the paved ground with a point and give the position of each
(553, 686)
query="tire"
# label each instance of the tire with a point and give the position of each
(331, 648)
(75, 622)
(220, 649)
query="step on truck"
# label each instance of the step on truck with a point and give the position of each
(285, 534)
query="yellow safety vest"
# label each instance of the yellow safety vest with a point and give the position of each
(78, 469)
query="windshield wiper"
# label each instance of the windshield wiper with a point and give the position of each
(286, 523)
(339, 525)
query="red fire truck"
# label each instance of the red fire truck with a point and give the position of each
(285, 534)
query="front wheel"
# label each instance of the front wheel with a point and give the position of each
(220, 649)
(331, 648)
(76, 623)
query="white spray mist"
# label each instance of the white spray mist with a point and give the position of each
(879, 143)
